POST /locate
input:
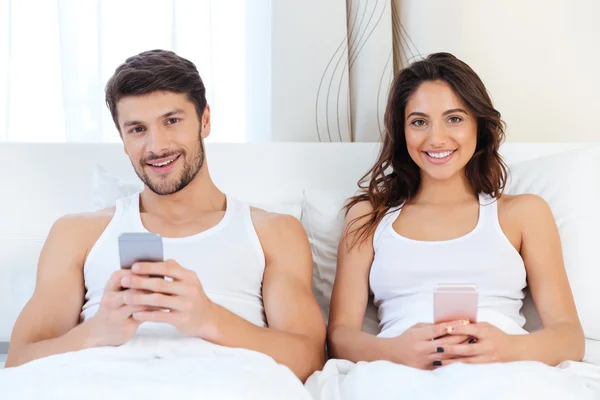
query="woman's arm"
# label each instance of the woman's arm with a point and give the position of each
(350, 297)
(562, 336)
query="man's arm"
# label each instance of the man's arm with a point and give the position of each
(296, 333)
(46, 323)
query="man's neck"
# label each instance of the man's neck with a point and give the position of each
(200, 196)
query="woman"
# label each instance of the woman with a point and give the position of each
(432, 211)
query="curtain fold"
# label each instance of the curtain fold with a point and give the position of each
(338, 68)
(54, 62)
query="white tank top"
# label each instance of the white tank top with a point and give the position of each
(405, 272)
(228, 259)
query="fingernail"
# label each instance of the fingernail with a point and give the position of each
(439, 350)
(449, 329)
(125, 281)
(126, 299)
(465, 322)
(437, 363)
(135, 268)
(472, 340)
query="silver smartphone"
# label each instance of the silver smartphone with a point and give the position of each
(139, 246)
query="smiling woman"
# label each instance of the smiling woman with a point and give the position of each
(58, 70)
(432, 213)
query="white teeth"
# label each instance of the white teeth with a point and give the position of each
(162, 164)
(440, 155)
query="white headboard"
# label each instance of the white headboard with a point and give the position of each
(41, 182)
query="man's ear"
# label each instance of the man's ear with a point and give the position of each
(205, 123)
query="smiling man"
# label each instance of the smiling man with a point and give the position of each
(240, 277)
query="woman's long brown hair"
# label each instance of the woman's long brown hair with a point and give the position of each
(395, 178)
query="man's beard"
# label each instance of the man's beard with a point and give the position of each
(170, 185)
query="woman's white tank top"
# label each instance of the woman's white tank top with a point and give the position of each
(228, 259)
(405, 272)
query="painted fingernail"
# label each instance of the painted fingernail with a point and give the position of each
(437, 363)
(472, 340)
(449, 329)
(439, 350)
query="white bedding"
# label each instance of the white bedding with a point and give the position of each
(520, 380)
(151, 368)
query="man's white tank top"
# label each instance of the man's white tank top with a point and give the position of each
(228, 259)
(405, 272)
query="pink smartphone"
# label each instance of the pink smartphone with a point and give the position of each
(453, 302)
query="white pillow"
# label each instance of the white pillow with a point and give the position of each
(108, 188)
(18, 267)
(323, 221)
(568, 181)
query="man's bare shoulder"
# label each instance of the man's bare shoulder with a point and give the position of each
(82, 228)
(274, 224)
(85, 220)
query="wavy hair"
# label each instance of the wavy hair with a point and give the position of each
(395, 177)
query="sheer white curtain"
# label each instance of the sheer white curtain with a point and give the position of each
(56, 56)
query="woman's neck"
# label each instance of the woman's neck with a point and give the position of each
(453, 190)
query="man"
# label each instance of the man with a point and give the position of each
(240, 277)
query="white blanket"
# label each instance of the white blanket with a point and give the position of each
(153, 368)
(519, 380)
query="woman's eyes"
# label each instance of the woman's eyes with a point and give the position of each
(421, 122)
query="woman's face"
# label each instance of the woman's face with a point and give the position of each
(441, 133)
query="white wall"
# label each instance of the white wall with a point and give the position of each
(538, 58)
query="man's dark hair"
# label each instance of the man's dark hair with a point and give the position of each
(151, 71)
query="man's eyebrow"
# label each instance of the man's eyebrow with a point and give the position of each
(171, 113)
(131, 123)
(165, 115)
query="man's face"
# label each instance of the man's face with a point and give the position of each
(163, 138)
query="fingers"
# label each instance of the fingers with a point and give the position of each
(127, 311)
(478, 330)
(114, 300)
(114, 282)
(157, 285)
(449, 339)
(464, 350)
(466, 360)
(439, 330)
(154, 300)
(168, 268)
(154, 316)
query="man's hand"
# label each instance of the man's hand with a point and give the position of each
(181, 302)
(112, 325)
(490, 345)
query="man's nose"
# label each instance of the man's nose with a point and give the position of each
(159, 140)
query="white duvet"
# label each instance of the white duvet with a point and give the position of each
(528, 380)
(187, 368)
(152, 368)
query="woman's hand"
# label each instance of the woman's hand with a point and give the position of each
(488, 344)
(424, 346)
